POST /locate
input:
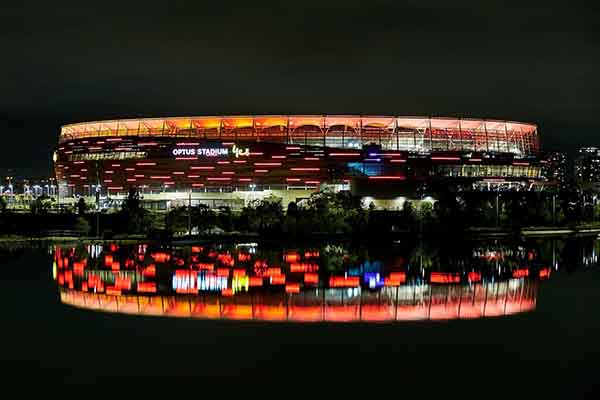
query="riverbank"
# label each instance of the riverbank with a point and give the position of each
(471, 233)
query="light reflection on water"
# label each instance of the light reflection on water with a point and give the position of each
(323, 283)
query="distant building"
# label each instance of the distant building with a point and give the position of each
(555, 168)
(587, 168)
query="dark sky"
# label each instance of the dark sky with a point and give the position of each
(531, 61)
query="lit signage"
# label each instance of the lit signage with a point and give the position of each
(210, 151)
(201, 151)
(245, 152)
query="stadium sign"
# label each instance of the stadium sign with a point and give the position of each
(210, 151)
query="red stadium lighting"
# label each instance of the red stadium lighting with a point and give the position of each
(520, 273)
(344, 281)
(444, 277)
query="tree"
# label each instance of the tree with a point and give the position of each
(41, 205)
(134, 218)
(81, 206)
(82, 226)
(3, 204)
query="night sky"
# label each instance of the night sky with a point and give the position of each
(536, 62)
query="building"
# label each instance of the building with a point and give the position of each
(555, 169)
(231, 160)
(587, 168)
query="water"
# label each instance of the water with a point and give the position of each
(405, 335)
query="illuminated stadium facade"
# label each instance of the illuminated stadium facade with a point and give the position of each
(241, 157)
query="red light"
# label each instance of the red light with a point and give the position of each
(444, 277)
(520, 273)
(311, 254)
(205, 167)
(227, 292)
(267, 164)
(108, 260)
(256, 281)
(222, 272)
(160, 257)
(394, 160)
(291, 257)
(278, 280)
(145, 163)
(292, 288)
(395, 279)
(311, 278)
(146, 287)
(342, 281)
(303, 267)
(122, 283)
(206, 266)
(150, 271)
(544, 273)
(273, 271)
(474, 276)
(239, 272)
(111, 290)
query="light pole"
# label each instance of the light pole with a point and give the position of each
(553, 208)
(497, 207)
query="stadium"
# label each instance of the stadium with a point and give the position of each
(229, 160)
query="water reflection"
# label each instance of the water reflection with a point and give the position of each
(328, 283)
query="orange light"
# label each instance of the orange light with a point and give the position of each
(291, 257)
(256, 281)
(292, 288)
(311, 278)
(545, 273)
(150, 271)
(444, 277)
(520, 273)
(474, 276)
(278, 280)
(343, 281)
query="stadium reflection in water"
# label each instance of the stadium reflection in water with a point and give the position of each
(331, 283)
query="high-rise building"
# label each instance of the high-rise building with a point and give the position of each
(554, 168)
(587, 165)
